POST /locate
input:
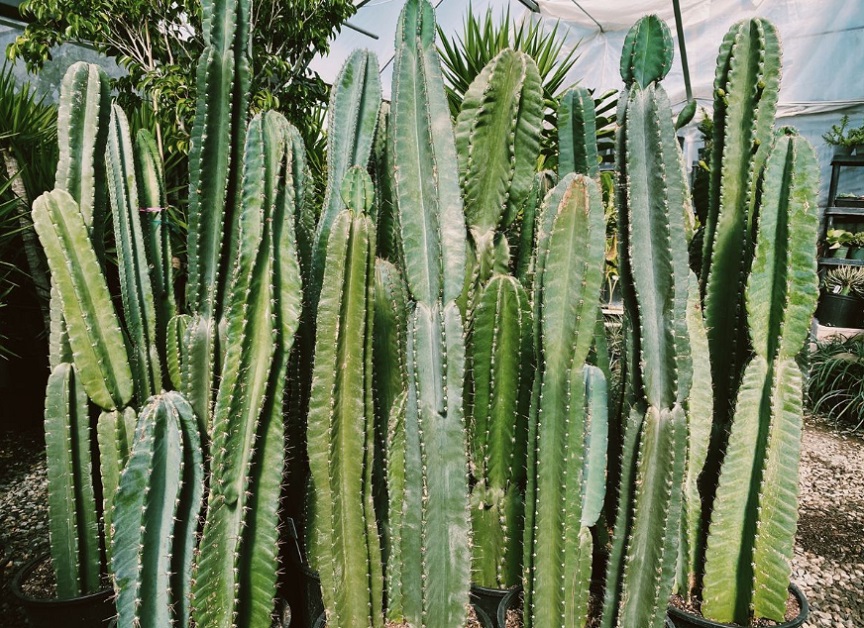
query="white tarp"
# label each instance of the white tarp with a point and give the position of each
(823, 50)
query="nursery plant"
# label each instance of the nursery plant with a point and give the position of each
(428, 343)
(844, 138)
(759, 256)
(845, 281)
(834, 387)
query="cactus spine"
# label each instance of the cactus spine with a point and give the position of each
(157, 508)
(642, 562)
(341, 434)
(567, 431)
(753, 521)
(436, 554)
(236, 568)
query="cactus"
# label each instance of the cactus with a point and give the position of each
(354, 104)
(567, 428)
(341, 419)
(498, 140)
(236, 569)
(745, 101)
(577, 134)
(98, 347)
(752, 533)
(156, 516)
(114, 434)
(135, 289)
(641, 566)
(500, 366)
(215, 166)
(72, 512)
(435, 565)
(157, 239)
(699, 412)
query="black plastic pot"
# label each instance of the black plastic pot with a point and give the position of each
(482, 617)
(838, 310)
(87, 611)
(489, 600)
(682, 619)
(313, 603)
(509, 601)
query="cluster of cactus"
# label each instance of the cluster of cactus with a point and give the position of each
(456, 418)
(232, 338)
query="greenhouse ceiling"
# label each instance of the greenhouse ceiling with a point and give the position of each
(819, 73)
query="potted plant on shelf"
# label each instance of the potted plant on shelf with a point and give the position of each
(849, 200)
(839, 241)
(856, 246)
(841, 303)
(845, 141)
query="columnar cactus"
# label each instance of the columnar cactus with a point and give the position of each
(752, 532)
(435, 566)
(157, 507)
(157, 241)
(642, 562)
(236, 569)
(500, 362)
(567, 424)
(498, 140)
(341, 434)
(577, 134)
(746, 89)
(215, 167)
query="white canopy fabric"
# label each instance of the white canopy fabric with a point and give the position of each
(823, 50)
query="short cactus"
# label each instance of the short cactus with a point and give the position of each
(156, 516)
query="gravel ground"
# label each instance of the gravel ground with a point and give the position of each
(829, 553)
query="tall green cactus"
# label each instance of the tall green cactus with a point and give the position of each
(745, 102)
(500, 366)
(73, 528)
(498, 140)
(641, 567)
(436, 554)
(98, 347)
(156, 516)
(752, 533)
(157, 238)
(355, 101)
(137, 294)
(567, 429)
(215, 167)
(577, 134)
(341, 435)
(236, 568)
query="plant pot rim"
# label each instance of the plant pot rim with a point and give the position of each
(698, 620)
(27, 568)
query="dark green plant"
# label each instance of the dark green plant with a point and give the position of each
(157, 43)
(835, 387)
(839, 135)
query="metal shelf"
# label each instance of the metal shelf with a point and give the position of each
(834, 261)
(844, 211)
